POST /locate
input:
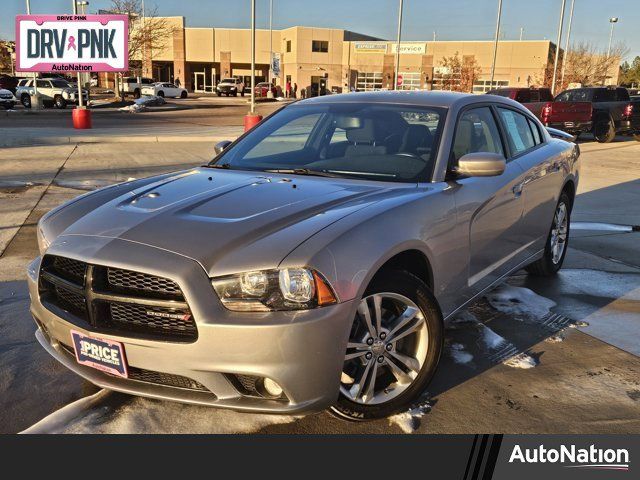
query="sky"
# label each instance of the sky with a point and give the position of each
(450, 19)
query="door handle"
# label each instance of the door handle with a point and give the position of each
(517, 189)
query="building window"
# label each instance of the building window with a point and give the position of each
(368, 82)
(288, 46)
(321, 46)
(410, 81)
(483, 86)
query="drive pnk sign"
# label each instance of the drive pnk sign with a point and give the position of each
(72, 43)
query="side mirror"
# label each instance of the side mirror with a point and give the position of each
(481, 164)
(220, 146)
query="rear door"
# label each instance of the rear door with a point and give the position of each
(492, 206)
(542, 180)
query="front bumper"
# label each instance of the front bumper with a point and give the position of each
(7, 102)
(303, 351)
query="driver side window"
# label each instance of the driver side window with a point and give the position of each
(476, 131)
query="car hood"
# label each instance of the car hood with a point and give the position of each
(230, 220)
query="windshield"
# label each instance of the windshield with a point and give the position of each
(228, 80)
(60, 84)
(375, 141)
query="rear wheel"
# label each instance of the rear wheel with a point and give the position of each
(161, 94)
(393, 349)
(235, 94)
(136, 93)
(183, 94)
(604, 131)
(26, 101)
(557, 241)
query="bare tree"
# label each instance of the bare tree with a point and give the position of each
(459, 74)
(587, 65)
(147, 31)
(6, 49)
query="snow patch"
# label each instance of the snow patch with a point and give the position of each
(462, 319)
(522, 360)
(141, 104)
(491, 339)
(520, 302)
(557, 338)
(83, 184)
(459, 354)
(579, 324)
(410, 420)
(601, 227)
(102, 413)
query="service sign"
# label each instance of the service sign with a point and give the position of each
(72, 43)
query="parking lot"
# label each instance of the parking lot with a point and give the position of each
(537, 355)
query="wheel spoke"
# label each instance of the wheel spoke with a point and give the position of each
(371, 384)
(401, 376)
(357, 345)
(365, 314)
(409, 362)
(409, 330)
(406, 316)
(356, 390)
(377, 312)
(351, 356)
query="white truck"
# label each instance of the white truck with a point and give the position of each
(54, 92)
(130, 85)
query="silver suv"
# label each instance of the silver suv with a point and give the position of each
(53, 91)
(313, 262)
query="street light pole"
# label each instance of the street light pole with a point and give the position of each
(612, 21)
(35, 86)
(566, 44)
(555, 62)
(495, 43)
(78, 74)
(395, 84)
(253, 57)
(269, 92)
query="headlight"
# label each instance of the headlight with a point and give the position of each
(278, 289)
(233, 88)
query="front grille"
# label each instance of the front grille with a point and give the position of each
(156, 378)
(156, 319)
(116, 301)
(137, 282)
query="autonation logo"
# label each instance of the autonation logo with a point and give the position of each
(590, 458)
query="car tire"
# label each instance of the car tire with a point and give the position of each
(636, 137)
(235, 94)
(242, 94)
(604, 131)
(59, 102)
(551, 261)
(161, 94)
(137, 93)
(25, 100)
(183, 95)
(219, 94)
(397, 291)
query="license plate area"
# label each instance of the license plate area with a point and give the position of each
(104, 355)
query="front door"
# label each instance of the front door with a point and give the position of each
(491, 206)
(199, 83)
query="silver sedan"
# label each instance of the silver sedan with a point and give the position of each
(313, 262)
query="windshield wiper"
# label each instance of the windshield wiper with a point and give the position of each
(302, 171)
(226, 166)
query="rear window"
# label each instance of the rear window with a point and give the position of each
(525, 96)
(576, 95)
(604, 95)
(622, 94)
(501, 93)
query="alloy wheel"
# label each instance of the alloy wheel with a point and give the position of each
(387, 349)
(558, 238)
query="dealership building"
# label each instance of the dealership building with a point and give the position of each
(327, 59)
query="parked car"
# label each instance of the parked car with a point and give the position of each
(613, 110)
(230, 86)
(53, 91)
(572, 117)
(313, 262)
(130, 85)
(161, 89)
(7, 82)
(262, 89)
(7, 100)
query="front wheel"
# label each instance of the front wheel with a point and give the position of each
(26, 101)
(183, 94)
(161, 94)
(59, 102)
(393, 348)
(556, 248)
(136, 93)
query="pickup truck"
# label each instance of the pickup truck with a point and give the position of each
(130, 85)
(613, 110)
(573, 117)
(53, 91)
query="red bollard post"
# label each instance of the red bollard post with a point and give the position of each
(81, 118)
(251, 120)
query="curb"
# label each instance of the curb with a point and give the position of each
(72, 140)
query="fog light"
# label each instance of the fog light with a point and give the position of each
(272, 388)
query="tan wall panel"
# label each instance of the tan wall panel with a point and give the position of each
(199, 44)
